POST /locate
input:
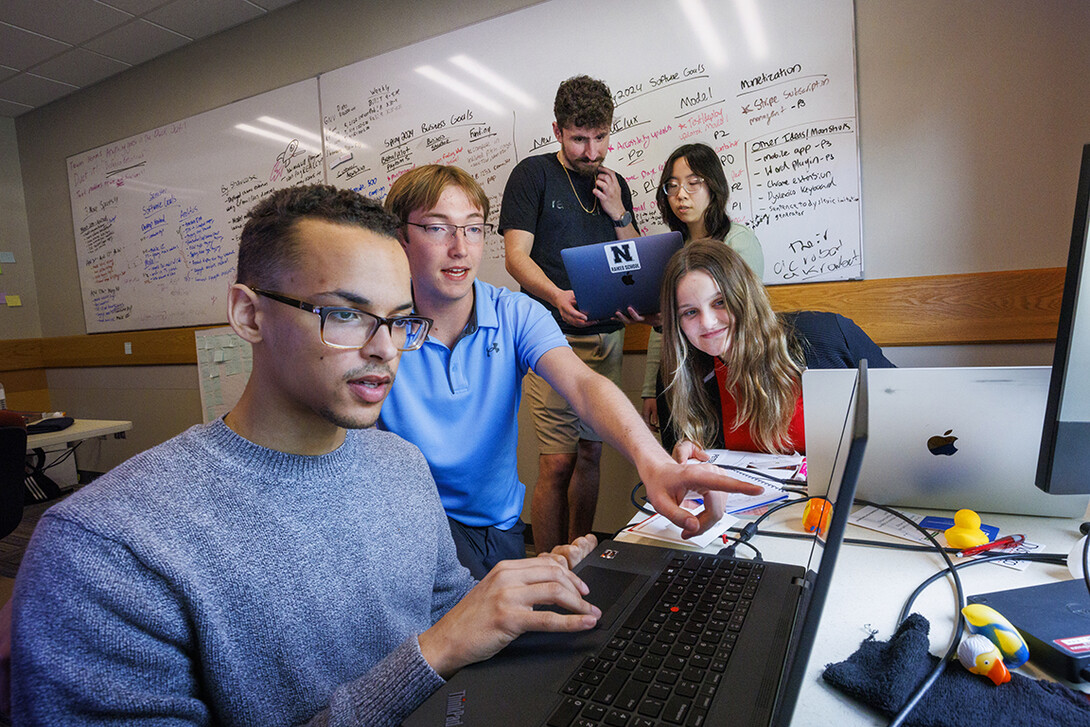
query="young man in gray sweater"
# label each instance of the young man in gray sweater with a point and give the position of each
(288, 563)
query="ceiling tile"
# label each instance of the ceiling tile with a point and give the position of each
(22, 49)
(79, 67)
(136, 7)
(136, 42)
(272, 4)
(200, 18)
(33, 90)
(11, 109)
(71, 21)
(6, 72)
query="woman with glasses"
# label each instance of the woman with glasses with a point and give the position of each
(692, 198)
(731, 367)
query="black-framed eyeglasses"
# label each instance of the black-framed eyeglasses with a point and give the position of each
(691, 186)
(442, 232)
(352, 328)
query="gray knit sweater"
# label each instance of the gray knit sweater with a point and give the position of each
(212, 581)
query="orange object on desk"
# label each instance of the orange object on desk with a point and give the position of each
(816, 515)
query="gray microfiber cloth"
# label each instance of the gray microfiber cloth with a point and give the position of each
(884, 674)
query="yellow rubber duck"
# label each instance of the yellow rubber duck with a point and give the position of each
(966, 531)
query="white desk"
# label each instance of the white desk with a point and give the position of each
(869, 589)
(81, 429)
(40, 487)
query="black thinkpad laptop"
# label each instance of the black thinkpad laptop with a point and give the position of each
(685, 638)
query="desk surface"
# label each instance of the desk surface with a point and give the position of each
(80, 429)
(869, 589)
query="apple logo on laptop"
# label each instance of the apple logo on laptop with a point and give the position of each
(942, 444)
(627, 279)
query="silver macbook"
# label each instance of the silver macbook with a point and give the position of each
(943, 438)
(610, 276)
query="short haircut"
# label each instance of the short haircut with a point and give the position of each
(585, 102)
(705, 163)
(421, 188)
(268, 243)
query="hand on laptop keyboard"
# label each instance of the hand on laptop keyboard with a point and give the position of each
(501, 607)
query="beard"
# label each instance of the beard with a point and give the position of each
(587, 167)
(346, 421)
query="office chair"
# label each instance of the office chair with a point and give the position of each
(12, 470)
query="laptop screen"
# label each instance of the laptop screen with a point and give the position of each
(835, 481)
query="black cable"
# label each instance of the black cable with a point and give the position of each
(1085, 560)
(891, 545)
(62, 457)
(905, 710)
(730, 550)
(635, 503)
(1051, 558)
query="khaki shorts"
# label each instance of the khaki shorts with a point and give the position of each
(558, 428)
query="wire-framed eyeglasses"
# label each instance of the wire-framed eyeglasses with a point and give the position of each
(691, 185)
(352, 328)
(443, 232)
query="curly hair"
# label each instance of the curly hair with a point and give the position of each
(705, 163)
(584, 102)
(420, 189)
(268, 245)
(764, 361)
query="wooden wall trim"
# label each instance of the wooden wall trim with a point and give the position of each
(1017, 306)
(156, 347)
(21, 353)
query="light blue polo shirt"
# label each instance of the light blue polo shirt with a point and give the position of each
(460, 407)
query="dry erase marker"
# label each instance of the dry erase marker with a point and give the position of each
(1003, 543)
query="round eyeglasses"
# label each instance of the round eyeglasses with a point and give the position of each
(691, 186)
(352, 328)
(442, 232)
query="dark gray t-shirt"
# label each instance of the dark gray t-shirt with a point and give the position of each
(539, 199)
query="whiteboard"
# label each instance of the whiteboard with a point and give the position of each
(157, 215)
(769, 85)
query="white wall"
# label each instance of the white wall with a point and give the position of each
(972, 117)
(17, 278)
(972, 120)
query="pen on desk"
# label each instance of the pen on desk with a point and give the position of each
(1006, 542)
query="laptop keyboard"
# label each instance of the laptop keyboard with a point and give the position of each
(663, 665)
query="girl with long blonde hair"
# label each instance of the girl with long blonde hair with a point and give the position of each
(732, 367)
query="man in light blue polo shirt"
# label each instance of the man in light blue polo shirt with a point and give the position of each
(457, 398)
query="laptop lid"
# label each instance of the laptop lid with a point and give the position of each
(946, 438)
(836, 480)
(524, 683)
(611, 276)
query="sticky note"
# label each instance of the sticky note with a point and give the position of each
(217, 355)
(13, 301)
(7, 257)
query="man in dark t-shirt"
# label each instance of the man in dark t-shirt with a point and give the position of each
(551, 202)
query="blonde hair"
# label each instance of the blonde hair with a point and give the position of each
(421, 187)
(764, 361)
